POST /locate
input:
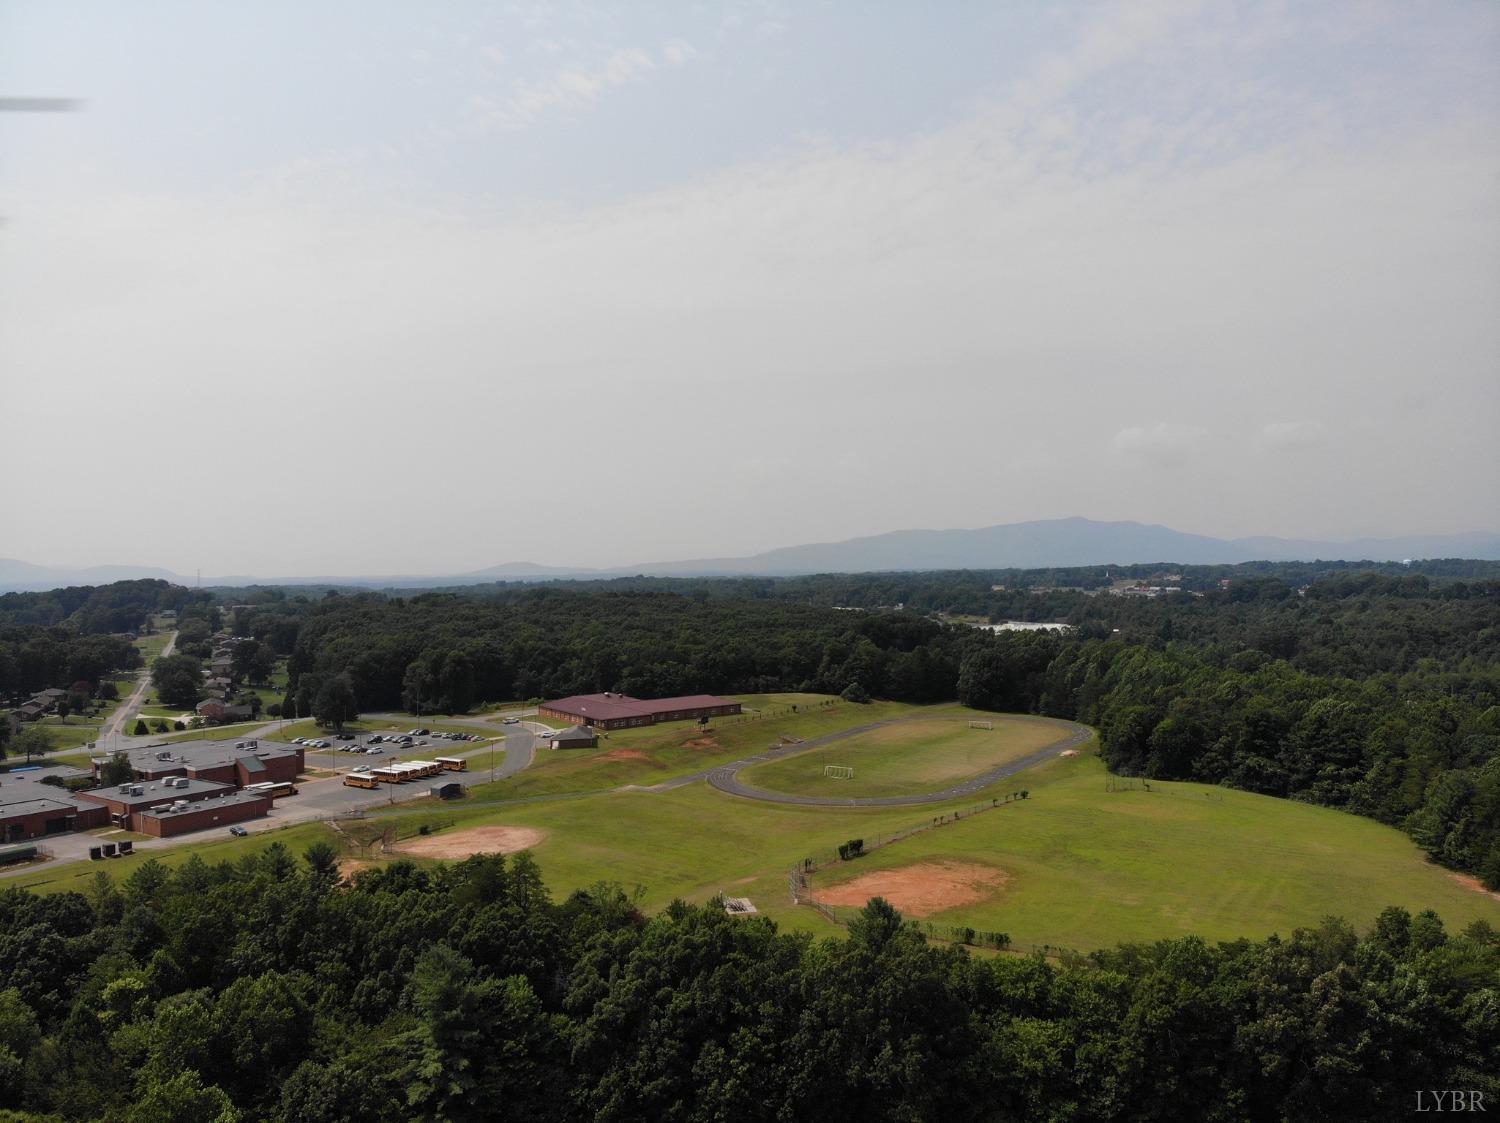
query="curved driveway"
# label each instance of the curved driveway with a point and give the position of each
(726, 777)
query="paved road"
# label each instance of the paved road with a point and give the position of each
(726, 777)
(132, 705)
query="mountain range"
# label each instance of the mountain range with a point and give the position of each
(1027, 545)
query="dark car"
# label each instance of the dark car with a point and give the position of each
(346, 736)
(238, 832)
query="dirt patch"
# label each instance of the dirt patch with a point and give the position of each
(1475, 884)
(701, 744)
(348, 867)
(475, 840)
(922, 889)
(624, 754)
(1068, 752)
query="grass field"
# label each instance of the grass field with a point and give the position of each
(1087, 868)
(651, 754)
(1083, 867)
(906, 758)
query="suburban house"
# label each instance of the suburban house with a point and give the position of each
(216, 709)
(39, 704)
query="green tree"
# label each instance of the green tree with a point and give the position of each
(178, 680)
(182, 1099)
(335, 703)
(322, 858)
(31, 741)
(140, 728)
(116, 770)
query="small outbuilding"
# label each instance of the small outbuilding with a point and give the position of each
(450, 789)
(578, 737)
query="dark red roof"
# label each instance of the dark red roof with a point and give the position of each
(613, 707)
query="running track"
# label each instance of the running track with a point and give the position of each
(726, 777)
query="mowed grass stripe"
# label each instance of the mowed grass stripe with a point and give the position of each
(908, 757)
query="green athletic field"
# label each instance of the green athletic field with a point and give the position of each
(907, 758)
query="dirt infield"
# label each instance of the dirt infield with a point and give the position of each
(624, 754)
(922, 889)
(701, 744)
(475, 840)
(1473, 883)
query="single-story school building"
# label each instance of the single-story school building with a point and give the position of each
(620, 711)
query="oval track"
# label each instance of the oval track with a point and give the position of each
(726, 777)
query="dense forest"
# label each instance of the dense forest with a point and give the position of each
(269, 990)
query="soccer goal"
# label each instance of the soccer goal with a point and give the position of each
(981, 725)
(838, 771)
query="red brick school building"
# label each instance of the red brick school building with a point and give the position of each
(620, 711)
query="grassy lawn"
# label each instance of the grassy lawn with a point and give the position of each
(650, 754)
(73, 733)
(207, 733)
(151, 646)
(907, 759)
(75, 876)
(77, 760)
(1087, 868)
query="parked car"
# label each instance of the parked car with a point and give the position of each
(373, 752)
(361, 768)
(298, 740)
(346, 736)
(238, 832)
(376, 739)
(512, 721)
(420, 732)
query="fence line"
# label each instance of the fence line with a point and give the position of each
(823, 858)
(785, 709)
(797, 884)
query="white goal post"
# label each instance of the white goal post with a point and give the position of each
(981, 725)
(838, 771)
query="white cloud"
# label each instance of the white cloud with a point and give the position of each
(922, 322)
(1165, 442)
(569, 90)
(678, 51)
(1292, 436)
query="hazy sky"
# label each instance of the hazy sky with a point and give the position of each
(418, 288)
